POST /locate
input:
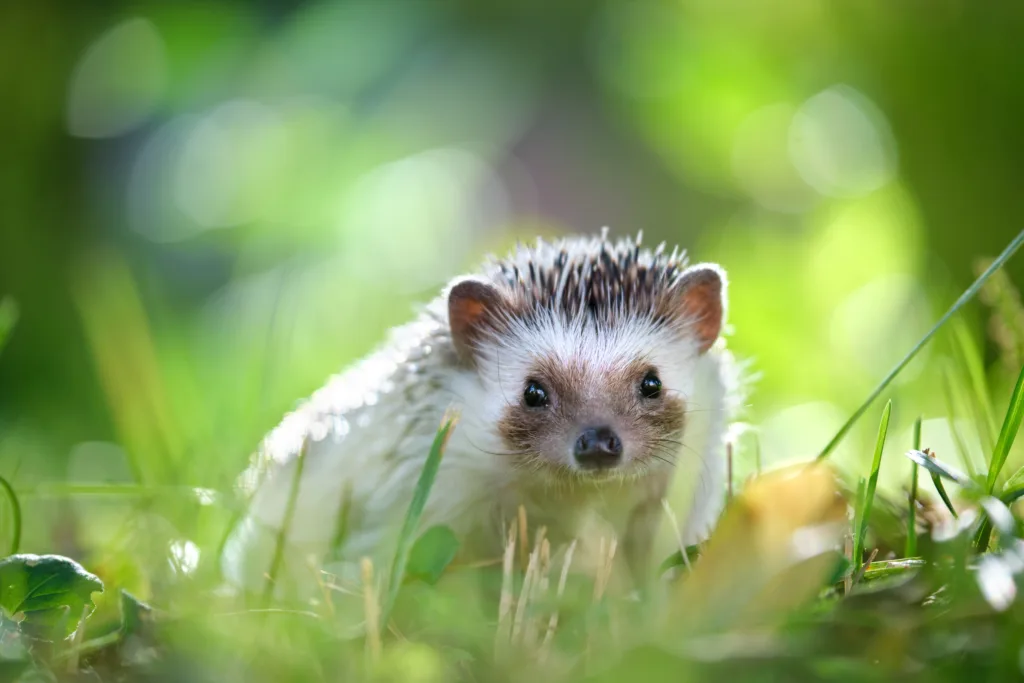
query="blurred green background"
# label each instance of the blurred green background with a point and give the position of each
(207, 207)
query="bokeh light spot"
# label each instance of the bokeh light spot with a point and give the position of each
(118, 82)
(841, 143)
(226, 172)
(762, 164)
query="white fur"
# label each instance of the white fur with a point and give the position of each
(370, 429)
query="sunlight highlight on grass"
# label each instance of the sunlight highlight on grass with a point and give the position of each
(968, 294)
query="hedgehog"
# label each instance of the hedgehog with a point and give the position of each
(587, 375)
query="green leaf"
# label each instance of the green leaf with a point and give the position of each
(412, 518)
(46, 594)
(968, 294)
(432, 553)
(1011, 425)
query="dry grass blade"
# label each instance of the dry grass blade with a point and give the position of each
(728, 462)
(604, 569)
(678, 532)
(541, 585)
(524, 539)
(549, 636)
(863, 568)
(504, 632)
(527, 591)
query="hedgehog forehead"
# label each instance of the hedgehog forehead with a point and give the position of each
(593, 350)
(589, 280)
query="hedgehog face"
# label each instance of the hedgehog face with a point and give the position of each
(595, 407)
(587, 369)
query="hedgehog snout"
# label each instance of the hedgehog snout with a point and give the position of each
(598, 448)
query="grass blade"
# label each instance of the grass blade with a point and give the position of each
(856, 552)
(1012, 494)
(937, 481)
(286, 523)
(952, 419)
(8, 317)
(1015, 482)
(910, 549)
(968, 294)
(15, 515)
(1011, 425)
(937, 468)
(974, 368)
(869, 492)
(412, 518)
(998, 516)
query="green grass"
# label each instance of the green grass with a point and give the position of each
(8, 317)
(410, 526)
(773, 596)
(860, 529)
(964, 298)
(281, 542)
(910, 548)
(1011, 425)
(15, 507)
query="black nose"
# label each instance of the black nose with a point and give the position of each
(598, 448)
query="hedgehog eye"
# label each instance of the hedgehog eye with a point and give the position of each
(650, 386)
(535, 396)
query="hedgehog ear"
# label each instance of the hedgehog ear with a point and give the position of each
(700, 303)
(473, 304)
